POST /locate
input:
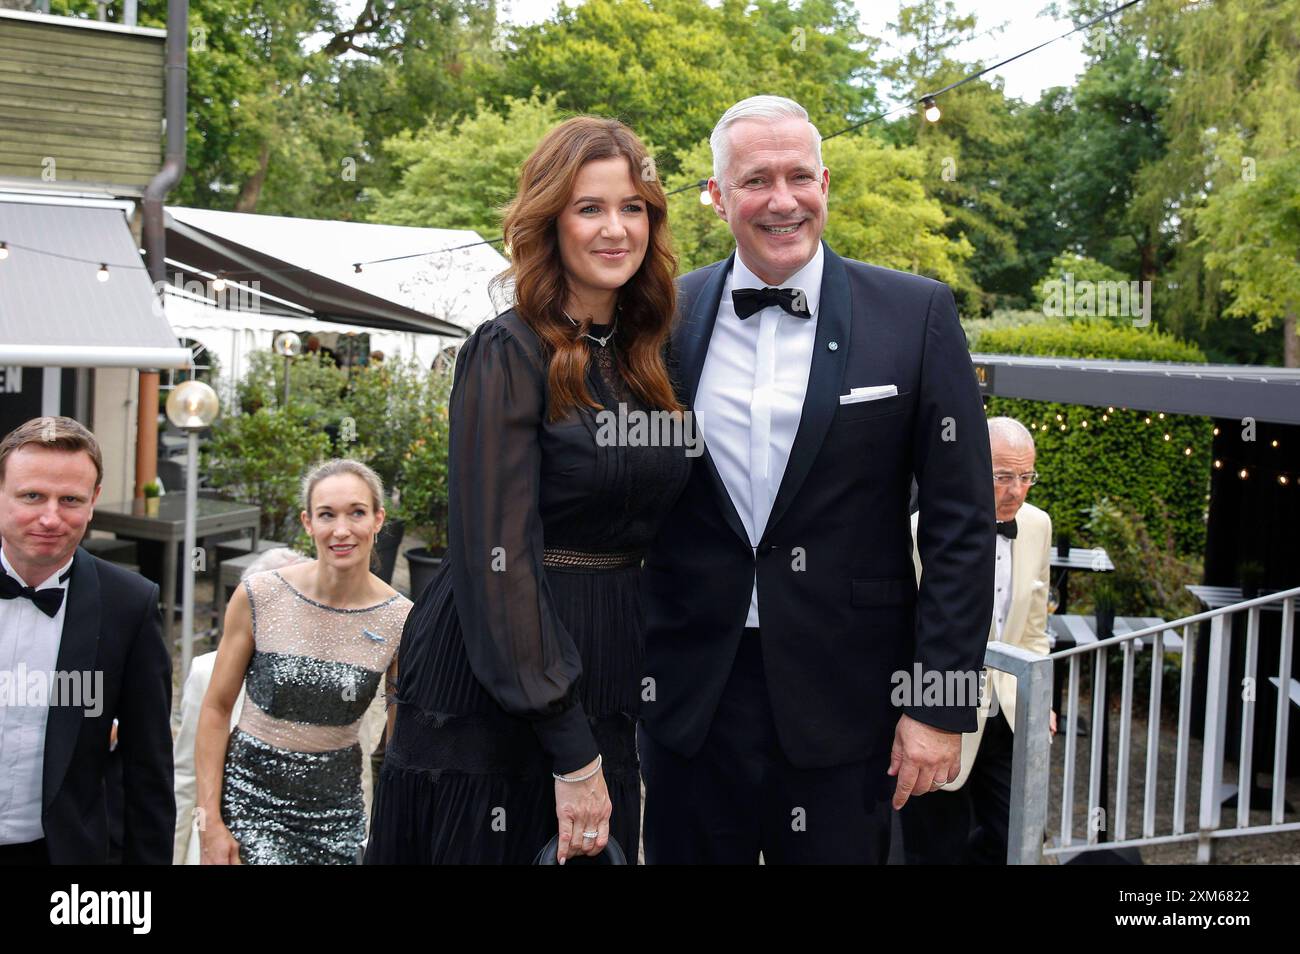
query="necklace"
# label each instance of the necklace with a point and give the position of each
(600, 341)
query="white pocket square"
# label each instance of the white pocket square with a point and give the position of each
(873, 393)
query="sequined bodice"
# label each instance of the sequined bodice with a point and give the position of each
(315, 668)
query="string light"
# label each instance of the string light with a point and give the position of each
(4, 251)
(1281, 479)
(1216, 432)
(1275, 442)
(219, 283)
(1218, 465)
(1187, 452)
(1161, 415)
(932, 112)
(1147, 420)
(1167, 437)
(1242, 473)
(102, 274)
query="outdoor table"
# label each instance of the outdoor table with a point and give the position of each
(130, 521)
(1094, 559)
(1212, 597)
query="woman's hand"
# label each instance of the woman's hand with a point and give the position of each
(217, 846)
(583, 807)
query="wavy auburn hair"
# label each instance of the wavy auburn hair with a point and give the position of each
(648, 300)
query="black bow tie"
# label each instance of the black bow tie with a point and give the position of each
(47, 600)
(1008, 529)
(751, 300)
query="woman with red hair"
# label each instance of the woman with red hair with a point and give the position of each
(521, 674)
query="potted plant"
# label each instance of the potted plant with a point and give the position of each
(422, 504)
(152, 498)
(1252, 578)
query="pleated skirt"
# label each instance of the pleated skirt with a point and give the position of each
(464, 782)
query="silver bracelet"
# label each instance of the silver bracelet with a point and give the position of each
(564, 778)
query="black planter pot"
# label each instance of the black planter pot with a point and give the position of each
(424, 564)
(386, 547)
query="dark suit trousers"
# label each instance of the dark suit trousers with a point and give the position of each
(968, 826)
(739, 795)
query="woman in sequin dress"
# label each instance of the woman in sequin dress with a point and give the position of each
(310, 642)
(521, 660)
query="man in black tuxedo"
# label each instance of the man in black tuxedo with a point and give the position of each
(781, 606)
(91, 633)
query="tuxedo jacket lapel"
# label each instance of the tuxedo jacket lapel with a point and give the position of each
(693, 347)
(78, 649)
(834, 323)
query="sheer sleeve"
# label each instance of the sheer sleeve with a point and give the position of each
(517, 647)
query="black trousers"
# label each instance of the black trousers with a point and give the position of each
(968, 826)
(739, 796)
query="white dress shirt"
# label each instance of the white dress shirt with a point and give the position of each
(29, 644)
(751, 393)
(1002, 584)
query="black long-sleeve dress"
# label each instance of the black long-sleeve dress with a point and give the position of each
(523, 655)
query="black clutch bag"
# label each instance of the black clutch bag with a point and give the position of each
(612, 855)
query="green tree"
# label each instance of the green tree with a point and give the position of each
(670, 68)
(459, 174)
(1233, 122)
(971, 153)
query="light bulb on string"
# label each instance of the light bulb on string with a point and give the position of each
(219, 283)
(1242, 473)
(932, 112)
(1281, 479)
(4, 251)
(1274, 442)
(102, 274)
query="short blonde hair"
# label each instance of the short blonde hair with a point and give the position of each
(342, 465)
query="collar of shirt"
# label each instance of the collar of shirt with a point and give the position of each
(51, 581)
(808, 278)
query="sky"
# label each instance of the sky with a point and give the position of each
(1056, 65)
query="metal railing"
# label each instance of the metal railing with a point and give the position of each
(1031, 759)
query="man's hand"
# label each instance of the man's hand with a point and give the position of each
(923, 758)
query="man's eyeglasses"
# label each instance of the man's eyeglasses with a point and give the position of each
(1006, 480)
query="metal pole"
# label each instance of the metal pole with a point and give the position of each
(187, 588)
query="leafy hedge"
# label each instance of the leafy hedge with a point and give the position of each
(1086, 454)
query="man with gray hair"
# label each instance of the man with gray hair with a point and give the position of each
(939, 830)
(779, 596)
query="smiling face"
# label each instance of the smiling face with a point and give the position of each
(773, 195)
(47, 498)
(343, 521)
(603, 231)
